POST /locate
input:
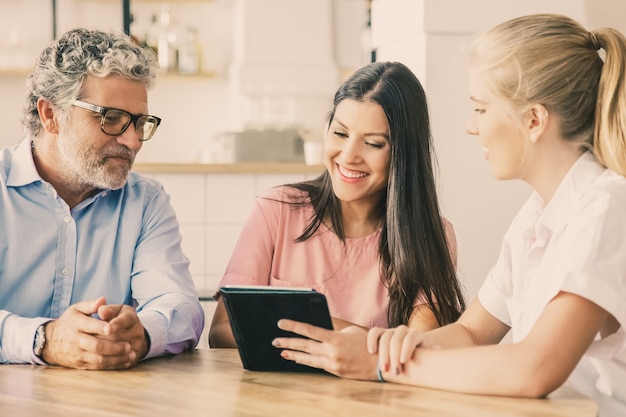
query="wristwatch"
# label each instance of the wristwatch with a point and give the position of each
(40, 340)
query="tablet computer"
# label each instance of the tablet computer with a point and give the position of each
(254, 312)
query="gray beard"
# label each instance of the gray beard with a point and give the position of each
(87, 167)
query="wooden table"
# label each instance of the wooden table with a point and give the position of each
(211, 382)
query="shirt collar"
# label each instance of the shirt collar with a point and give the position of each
(580, 176)
(23, 170)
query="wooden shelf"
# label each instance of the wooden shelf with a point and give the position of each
(23, 72)
(172, 1)
(15, 72)
(177, 76)
(238, 168)
(126, 14)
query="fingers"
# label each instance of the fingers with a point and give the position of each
(80, 317)
(89, 307)
(385, 351)
(350, 352)
(372, 339)
(127, 327)
(395, 346)
(306, 330)
(109, 311)
(106, 355)
(120, 318)
(342, 353)
(306, 344)
(68, 346)
(101, 345)
(79, 339)
(124, 326)
(302, 358)
(412, 340)
(304, 351)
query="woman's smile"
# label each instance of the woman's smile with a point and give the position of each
(349, 174)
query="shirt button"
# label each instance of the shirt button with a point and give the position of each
(67, 219)
(66, 271)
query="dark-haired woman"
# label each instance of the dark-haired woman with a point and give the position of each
(368, 232)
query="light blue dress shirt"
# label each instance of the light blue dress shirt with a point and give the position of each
(123, 244)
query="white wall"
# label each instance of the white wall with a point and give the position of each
(22, 36)
(196, 109)
(430, 36)
(193, 108)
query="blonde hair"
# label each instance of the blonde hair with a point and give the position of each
(552, 60)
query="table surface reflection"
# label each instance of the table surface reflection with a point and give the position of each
(212, 382)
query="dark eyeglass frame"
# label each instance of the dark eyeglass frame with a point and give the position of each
(134, 118)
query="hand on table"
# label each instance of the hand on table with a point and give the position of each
(395, 346)
(116, 340)
(124, 326)
(342, 353)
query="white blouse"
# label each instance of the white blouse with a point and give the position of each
(575, 244)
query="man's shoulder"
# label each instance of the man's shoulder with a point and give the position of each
(139, 184)
(6, 161)
(135, 179)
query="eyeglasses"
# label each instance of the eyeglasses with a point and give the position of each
(114, 121)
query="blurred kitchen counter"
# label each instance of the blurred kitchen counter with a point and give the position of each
(236, 168)
(212, 203)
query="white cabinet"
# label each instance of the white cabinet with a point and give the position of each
(211, 215)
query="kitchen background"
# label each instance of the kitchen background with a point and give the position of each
(255, 76)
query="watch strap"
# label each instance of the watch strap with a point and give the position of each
(40, 340)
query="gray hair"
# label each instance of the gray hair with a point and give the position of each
(61, 68)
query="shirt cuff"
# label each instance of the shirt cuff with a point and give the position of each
(156, 326)
(494, 301)
(18, 338)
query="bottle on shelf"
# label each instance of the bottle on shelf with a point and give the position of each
(167, 46)
(189, 53)
(151, 39)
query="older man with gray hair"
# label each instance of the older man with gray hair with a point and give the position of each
(92, 274)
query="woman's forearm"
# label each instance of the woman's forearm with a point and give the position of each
(453, 335)
(492, 370)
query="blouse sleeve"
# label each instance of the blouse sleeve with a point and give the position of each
(497, 287)
(594, 266)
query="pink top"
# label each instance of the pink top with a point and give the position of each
(349, 275)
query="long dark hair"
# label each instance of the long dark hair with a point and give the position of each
(413, 250)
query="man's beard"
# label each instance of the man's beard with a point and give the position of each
(89, 167)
